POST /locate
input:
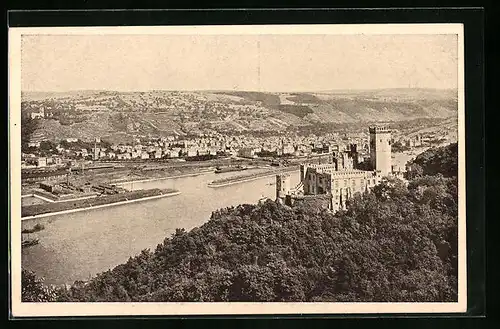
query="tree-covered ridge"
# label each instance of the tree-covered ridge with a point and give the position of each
(441, 160)
(397, 243)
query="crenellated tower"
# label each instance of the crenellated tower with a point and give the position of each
(282, 186)
(380, 149)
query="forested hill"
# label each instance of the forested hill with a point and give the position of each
(396, 243)
(434, 161)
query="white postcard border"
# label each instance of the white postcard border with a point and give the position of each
(20, 309)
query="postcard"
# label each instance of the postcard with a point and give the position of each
(264, 169)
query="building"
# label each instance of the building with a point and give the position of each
(41, 162)
(96, 152)
(34, 144)
(192, 152)
(287, 149)
(380, 149)
(247, 152)
(123, 156)
(50, 187)
(341, 178)
(38, 115)
(174, 153)
(341, 185)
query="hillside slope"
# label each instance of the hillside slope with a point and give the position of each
(171, 112)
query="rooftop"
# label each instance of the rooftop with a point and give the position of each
(379, 130)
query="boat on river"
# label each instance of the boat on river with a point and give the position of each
(29, 243)
(219, 170)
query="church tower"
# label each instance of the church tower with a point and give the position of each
(380, 149)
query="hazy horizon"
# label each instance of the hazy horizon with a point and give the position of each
(264, 63)
(233, 90)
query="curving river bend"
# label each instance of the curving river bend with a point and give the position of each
(79, 245)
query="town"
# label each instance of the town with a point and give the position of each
(42, 154)
(57, 174)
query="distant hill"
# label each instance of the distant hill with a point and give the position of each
(179, 112)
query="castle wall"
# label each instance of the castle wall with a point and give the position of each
(342, 185)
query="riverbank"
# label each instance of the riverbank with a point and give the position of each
(145, 180)
(52, 209)
(55, 199)
(246, 178)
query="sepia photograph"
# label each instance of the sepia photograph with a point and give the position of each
(265, 169)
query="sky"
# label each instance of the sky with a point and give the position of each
(237, 62)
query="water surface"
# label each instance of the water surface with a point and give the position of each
(79, 245)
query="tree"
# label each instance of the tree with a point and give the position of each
(28, 127)
(33, 289)
(442, 160)
(253, 283)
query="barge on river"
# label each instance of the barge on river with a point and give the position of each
(220, 170)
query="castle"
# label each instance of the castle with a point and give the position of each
(342, 177)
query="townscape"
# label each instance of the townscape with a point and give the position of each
(68, 169)
(226, 195)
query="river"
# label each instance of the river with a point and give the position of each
(79, 245)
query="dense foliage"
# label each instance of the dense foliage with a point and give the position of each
(395, 243)
(28, 127)
(441, 160)
(398, 147)
(33, 289)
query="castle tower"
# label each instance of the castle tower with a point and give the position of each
(354, 155)
(282, 186)
(380, 149)
(96, 150)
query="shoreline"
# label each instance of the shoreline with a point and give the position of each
(161, 178)
(247, 179)
(34, 195)
(99, 206)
